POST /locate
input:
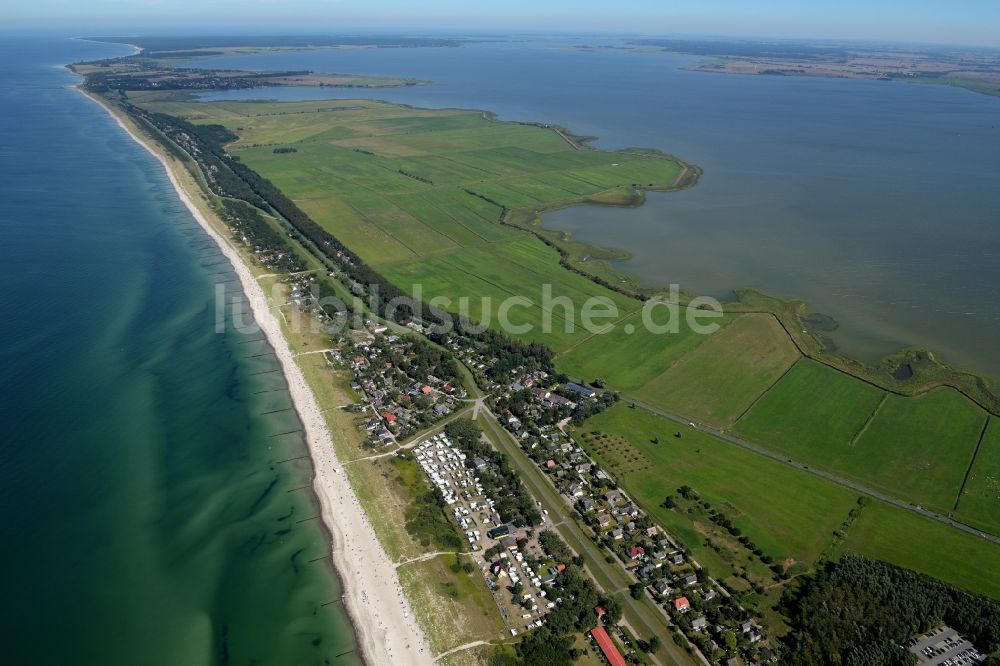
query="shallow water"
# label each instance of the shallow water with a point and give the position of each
(147, 517)
(877, 202)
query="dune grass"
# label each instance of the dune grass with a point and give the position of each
(456, 607)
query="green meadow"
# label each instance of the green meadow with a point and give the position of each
(786, 512)
(630, 358)
(906, 539)
(811, 411)
(720, 379)
(980, 497)
(419, 194)
(917, 448)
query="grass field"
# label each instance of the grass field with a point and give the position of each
(418, 193)
(485, 277)
(917, 448)
(979, 504)
(629, 361)
(910, 541)
(718, 380)
(786, 418)
(785, 512)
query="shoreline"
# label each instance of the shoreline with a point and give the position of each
(385, 627)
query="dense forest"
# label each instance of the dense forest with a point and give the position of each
(860, 612)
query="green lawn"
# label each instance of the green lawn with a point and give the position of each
(720, 379)
(812, 410)
(916, 448)
(979, 505)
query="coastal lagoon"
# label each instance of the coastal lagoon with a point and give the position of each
(877, 202)
(149, 517)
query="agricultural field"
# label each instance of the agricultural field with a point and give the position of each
(486, 277)
(629, 361)
(717, 381)
(419, 193)
(917, 448)
(813, 410)
(979, 504)
(787, 513)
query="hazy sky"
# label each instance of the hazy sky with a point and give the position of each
(957, 21)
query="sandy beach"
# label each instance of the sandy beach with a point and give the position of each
(387, 632)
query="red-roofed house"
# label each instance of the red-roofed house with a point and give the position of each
(608, 648)
(560, 567)
(681, 604)
(550, 463)
(389, 416)
(600, 611)
(426, 389)
(636, 552)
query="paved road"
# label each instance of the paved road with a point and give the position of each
(817, 472)
(641, 616)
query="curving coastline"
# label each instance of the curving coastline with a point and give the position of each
(384, 625)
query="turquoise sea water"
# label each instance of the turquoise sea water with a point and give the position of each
(877, 202)
(147, 516)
